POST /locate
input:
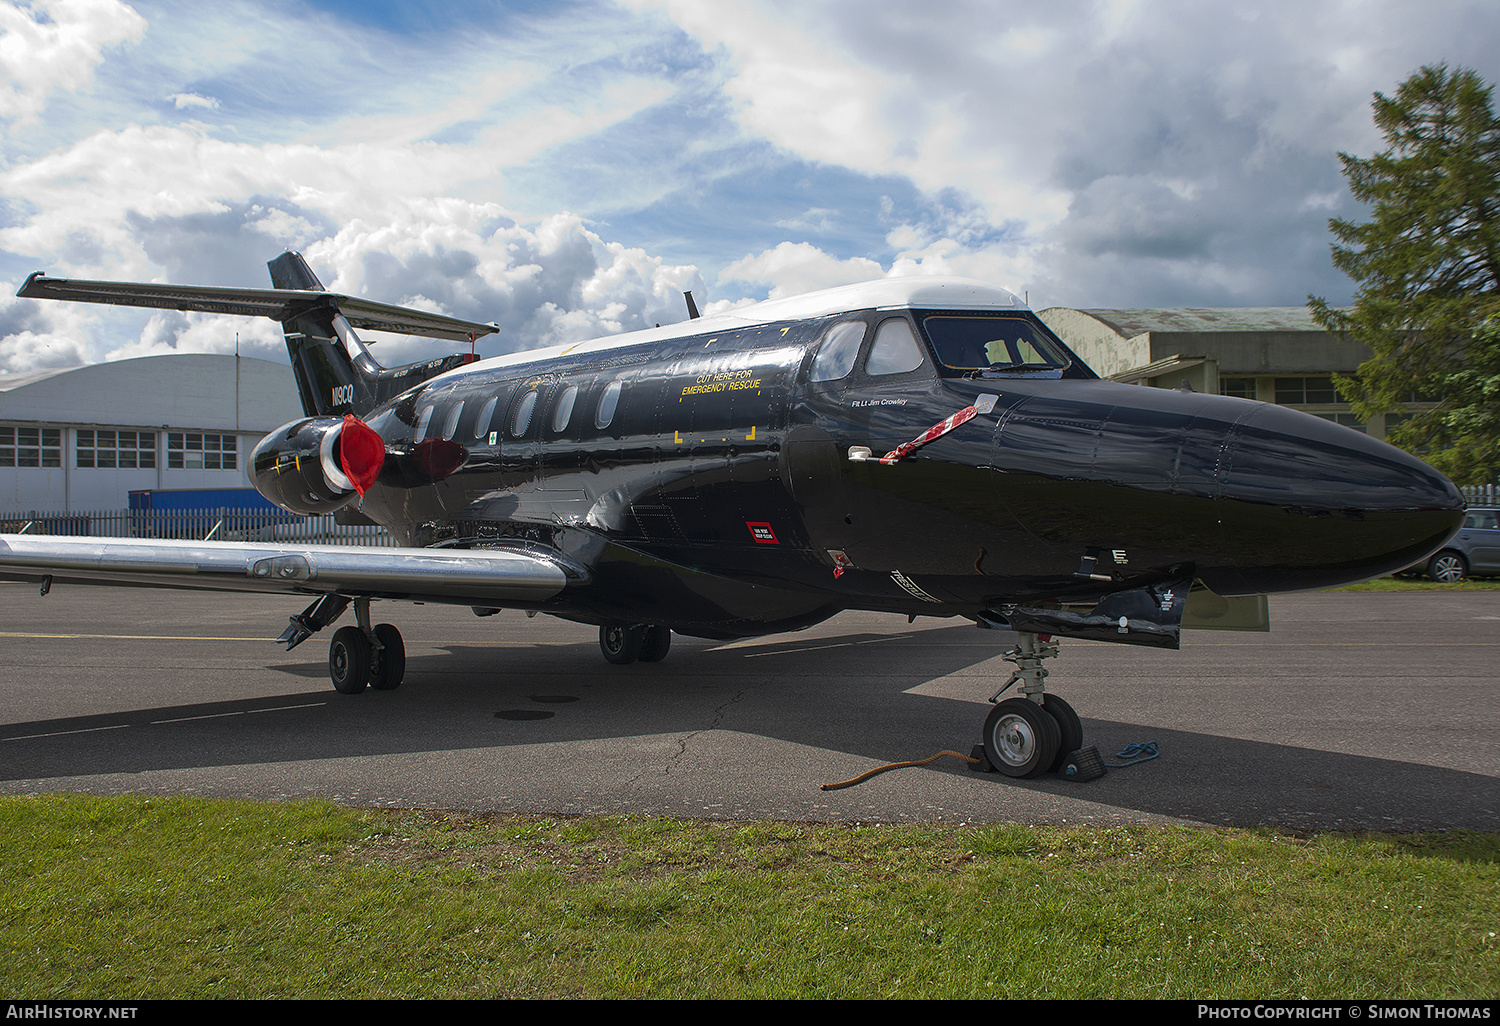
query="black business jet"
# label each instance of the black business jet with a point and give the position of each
(922, 446)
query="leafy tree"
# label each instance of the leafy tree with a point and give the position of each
(1428, 267)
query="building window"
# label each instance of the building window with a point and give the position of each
(1306, 392)
(1241, 388)
(1348, 420)
(30, 447)
(122, 450)
(193, 450)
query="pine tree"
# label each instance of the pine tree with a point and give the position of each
(1427, 263)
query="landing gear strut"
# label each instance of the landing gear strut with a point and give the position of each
(1031, 734)
(364, 656)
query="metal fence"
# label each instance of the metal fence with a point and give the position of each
(1481, 495)
(199, 524)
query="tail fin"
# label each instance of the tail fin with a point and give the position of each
(335, 372)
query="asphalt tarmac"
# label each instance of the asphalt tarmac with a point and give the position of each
(1358, 711)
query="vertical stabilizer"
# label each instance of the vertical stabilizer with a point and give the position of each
(336, 375)
(332, 378)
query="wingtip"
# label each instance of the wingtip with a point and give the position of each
(24, 290)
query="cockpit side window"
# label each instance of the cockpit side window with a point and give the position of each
(895, 350)
(837, 352)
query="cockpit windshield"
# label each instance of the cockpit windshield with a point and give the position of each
(982, 344)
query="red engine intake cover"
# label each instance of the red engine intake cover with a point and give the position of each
(361, 453)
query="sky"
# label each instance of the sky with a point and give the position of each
(566, 168)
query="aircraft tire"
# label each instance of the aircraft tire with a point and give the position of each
(621, 643)
(349, 660)
(388, 665)
(1069, 726)
(1020, 738)
(655, 643)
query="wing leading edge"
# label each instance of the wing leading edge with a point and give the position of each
(464, 577)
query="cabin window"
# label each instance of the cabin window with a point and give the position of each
(564, 411)
(482, 422)
(422, 421)
(522, 419)
(895, 350)
(609, 399)
(450, 426)
(836, 355)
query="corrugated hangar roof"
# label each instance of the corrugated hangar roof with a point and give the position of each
(194, 390)
(1130, 323)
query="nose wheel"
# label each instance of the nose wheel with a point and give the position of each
(1021, 738)
(1034, 733)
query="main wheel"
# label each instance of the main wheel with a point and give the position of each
(388, 663)
(621, 644)
(1070, 729)
(1447, 566)
(655, 644)
(1020, 738)
(349, 660)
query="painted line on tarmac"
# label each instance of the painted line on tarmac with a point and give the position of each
(180, 719)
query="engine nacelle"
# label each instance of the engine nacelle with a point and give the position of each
(318, 465)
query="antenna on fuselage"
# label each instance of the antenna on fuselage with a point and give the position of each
(693, 313)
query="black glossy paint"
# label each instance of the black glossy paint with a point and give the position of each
(716, 496)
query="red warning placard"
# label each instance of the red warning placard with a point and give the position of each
(762, 533)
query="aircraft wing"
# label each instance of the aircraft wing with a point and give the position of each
(459, 576)
(277, 304)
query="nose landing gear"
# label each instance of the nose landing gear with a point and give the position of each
(1035, 732)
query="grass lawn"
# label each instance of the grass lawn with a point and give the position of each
(134, 898)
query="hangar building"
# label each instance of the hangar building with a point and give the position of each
(83, 438)
(1275, 354)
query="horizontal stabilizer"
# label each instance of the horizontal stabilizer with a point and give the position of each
(460, 576)
(277, 304)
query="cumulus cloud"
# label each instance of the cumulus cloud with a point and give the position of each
(567, 173)
(1135, 147)
(56, 44)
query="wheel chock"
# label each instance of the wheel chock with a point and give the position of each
(1082, 765)
(981, 763)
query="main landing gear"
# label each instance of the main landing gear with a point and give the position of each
(358, 657)
(362, 655)
(1033, 733)
(625, 643)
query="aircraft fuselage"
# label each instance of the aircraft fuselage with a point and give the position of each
(706, 481)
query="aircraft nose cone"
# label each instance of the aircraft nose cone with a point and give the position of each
(1308, 504)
